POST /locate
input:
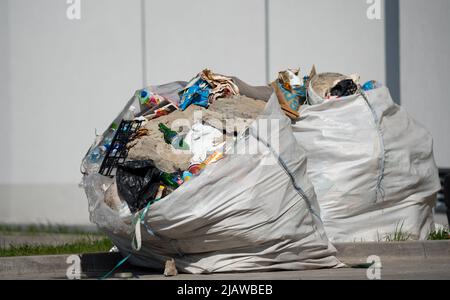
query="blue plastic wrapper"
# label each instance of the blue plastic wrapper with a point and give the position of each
(371, 85)
(196, 94)
(295, 97)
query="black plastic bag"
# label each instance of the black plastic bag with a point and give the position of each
(137, 183)
(344, 88)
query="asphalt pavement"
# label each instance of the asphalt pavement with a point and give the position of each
(429, 260)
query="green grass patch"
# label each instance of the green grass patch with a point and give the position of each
(399, 235)
(439, 235)
(84, 245)
(44, 228)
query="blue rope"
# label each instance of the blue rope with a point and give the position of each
(116, 267)
(141, 218)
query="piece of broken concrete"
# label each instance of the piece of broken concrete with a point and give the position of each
(170, 268)
(230, 114)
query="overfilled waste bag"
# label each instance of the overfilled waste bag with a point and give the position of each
(371, 165)
(247, 212)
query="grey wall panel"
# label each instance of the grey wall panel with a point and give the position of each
(183, 37)
(52, 203)
(5, 93)
(59, 80)
(66, 78)
(425, 68)
(336, 35)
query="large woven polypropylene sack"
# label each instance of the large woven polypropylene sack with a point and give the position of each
(371, 165)
(247, 212)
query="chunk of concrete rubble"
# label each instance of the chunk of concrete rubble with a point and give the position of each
(170, 268)
(237, 107)
(227, 114)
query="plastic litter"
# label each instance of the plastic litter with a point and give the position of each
(195, 169)
(138, 182)
(221, 86)
(187, 176)
(197, 93)
(130, 114)
(150, 99)
(116, 152)
(171, 180)
(203, 140)
(173, 138)
(205, 88)
(371, 85)
(291, 91)
(159, 112)
(343, 88)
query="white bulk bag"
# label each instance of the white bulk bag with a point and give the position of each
(244, 213)
(371, 165)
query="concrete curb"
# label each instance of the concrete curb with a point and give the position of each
(96, 265)
(406, 250)
(92, 264)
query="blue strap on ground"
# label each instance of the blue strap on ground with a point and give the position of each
(116, 267)
(141, 219)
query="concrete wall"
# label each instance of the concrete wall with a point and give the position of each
(336, 35)
(184, 37)
(61, 79)
(425, 68)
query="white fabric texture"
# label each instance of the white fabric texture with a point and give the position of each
(371, 165)
(246, 212)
